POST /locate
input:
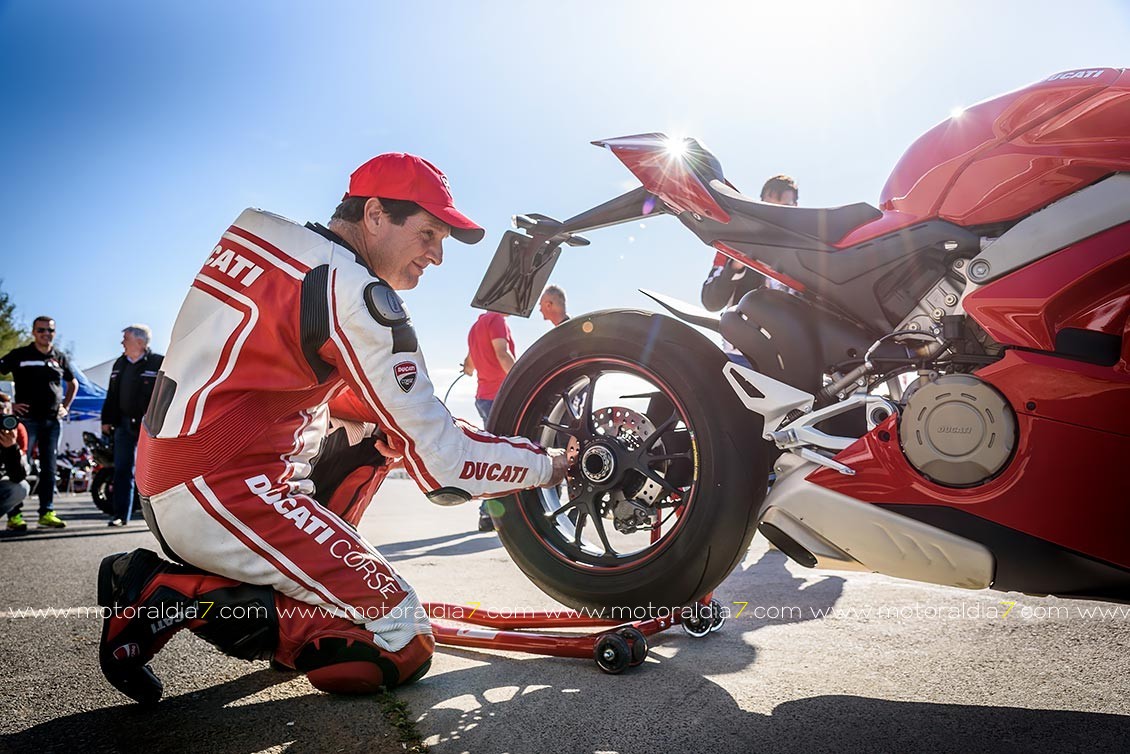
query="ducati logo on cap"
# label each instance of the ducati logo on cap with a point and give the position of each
(405, 373)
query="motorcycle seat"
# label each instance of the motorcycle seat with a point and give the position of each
(823, 225)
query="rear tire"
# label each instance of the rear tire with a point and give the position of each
(713, 517)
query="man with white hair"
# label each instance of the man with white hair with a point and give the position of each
(127, 397)
(552, 305)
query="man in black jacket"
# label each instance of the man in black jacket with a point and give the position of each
(728, 280)
(45, 387)
(13, 468)
(127, 398)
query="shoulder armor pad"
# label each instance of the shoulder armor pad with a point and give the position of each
(385, 306)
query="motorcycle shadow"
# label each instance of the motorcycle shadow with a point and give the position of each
(467, 543)
(573, 711)
(563, 710)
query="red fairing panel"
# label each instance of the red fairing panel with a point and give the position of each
(726, 251)
(1050, 488)
(1004, 158)
(1064, 390)
(666, 177)
(1086, 286)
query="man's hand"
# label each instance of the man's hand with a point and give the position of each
(560, 466)
(395, 458)
(7, 438)
(62, 412)
(20, 409)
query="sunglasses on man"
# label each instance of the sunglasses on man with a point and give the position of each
(45, 329)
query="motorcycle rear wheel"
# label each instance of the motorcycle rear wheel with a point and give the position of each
(100, 490)
(653, 431)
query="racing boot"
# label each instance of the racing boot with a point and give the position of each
(342, 657)
(146, 600)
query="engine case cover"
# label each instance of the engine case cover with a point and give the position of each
(957, 430)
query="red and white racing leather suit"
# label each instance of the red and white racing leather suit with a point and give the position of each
(280, 320)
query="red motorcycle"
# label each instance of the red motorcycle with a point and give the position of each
(945, 398)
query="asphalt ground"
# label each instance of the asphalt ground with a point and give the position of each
(816, 661)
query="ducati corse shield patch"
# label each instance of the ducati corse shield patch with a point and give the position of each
(405, 373)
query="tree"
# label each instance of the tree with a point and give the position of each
(12, 332)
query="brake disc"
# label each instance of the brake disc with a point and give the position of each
(631, 429)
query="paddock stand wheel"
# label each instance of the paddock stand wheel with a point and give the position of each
(612, 654)
(616, 647)
(719, 616)
(708, 617)
(637, 641)
(697, 625)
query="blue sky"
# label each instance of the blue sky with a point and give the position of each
(133, 133)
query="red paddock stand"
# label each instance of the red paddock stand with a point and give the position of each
(619, 646)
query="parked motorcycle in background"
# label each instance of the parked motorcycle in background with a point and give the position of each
(73, 470)
(102, 474)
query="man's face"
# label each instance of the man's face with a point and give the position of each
(547, 307)
(787, 197)
(133, 345)
(44, 332)
(400, 253)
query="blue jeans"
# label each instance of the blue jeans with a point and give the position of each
(125, 450)
(483, 406)
(46, 433)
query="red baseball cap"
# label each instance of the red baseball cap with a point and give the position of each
(397, 175)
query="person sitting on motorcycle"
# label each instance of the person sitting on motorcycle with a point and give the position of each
(728, 280)
(281, 319)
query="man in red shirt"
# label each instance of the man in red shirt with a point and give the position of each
(490, 349)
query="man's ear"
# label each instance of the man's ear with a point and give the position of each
(372, 216)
